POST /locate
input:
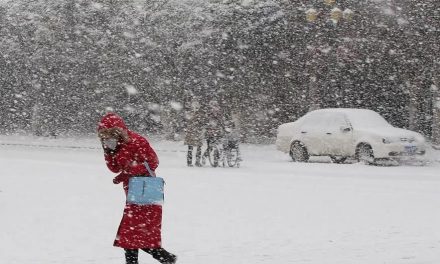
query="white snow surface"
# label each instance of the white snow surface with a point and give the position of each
(58, 205)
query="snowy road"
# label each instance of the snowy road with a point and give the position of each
(58, 205)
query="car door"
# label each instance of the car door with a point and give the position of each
(338, 134)
(323, 133)
(311, 131)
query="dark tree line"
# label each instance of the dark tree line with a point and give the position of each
(64, 62)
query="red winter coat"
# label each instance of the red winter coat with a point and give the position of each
(140, 226)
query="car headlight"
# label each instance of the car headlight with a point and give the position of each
(387, 141)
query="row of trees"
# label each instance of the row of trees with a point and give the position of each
(64, 62)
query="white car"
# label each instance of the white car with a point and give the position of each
(342, 133)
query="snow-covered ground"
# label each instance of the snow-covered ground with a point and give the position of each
(58, 205)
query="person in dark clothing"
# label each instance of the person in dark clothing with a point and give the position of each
(194, 134)
(215, 129)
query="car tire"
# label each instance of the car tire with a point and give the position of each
(338, 160)
(232, 157)
(214, 156)
(298, 152)
(364, 154)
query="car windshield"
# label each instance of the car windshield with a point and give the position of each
(367, 119)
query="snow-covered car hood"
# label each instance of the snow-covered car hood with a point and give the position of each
(390, 132)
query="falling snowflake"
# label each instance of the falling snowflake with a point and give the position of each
(130, 89)
(176, 105)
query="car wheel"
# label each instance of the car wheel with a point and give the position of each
(214, 156)
(298, 152)
(338, 159)
(364, 153)
(232, 157)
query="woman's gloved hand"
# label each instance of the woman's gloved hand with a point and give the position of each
(120, 178)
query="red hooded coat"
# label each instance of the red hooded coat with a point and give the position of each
(140, 226)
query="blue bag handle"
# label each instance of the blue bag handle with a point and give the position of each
(149, 170)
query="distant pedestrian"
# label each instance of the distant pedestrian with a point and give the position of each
(232, 136)
(215, 127)
(194, 134)
(125, 153)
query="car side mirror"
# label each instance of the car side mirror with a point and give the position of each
(345, 129)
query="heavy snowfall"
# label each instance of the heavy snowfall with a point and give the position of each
(262, 63)
(65, 62)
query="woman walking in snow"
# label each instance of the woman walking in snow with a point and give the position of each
(125, 153)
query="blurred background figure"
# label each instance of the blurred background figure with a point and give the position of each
(194, 133)
(232, 134)
(215, 126)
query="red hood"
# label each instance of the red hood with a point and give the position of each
(112, 120)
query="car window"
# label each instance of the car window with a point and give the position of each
(324, 121)
(315, 120)
(367, 119)
(336, 121)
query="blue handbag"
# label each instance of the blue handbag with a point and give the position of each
(146, 190)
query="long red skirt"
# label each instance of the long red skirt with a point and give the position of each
(140, 227)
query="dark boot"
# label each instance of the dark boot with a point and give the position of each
(198, 156)
(189, 156)
(161, 255)
(131, 256)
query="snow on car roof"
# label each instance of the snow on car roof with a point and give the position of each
(344, 110)
(358, 117)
